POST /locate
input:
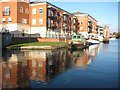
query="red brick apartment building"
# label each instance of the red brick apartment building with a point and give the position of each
(49, 20)
(14, 16)
(87, 24)
(22, 17)
(42, 18)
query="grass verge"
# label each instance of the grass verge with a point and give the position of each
(39, 44)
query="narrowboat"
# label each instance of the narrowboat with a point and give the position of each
(78, 42)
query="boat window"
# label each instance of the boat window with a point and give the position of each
(78, 37)
(74, 37)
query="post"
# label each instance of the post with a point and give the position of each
(65, 34)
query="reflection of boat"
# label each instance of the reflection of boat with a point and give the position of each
(92, 52)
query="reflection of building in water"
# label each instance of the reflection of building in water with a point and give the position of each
(10, 76)
(84, 57)
(33, 65)
(22, 66)
(80, 58)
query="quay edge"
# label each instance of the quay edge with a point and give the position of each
(38, 47)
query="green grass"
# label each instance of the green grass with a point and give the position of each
(39, 44)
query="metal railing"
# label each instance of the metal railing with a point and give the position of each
(56, 36)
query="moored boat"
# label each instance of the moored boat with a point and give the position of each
(78, 42)
(92, 42)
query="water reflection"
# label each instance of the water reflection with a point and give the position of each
(21, 67)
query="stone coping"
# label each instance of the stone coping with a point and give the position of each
(38, 47)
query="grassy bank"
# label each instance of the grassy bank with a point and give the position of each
(39, 44)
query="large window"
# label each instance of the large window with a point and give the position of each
(6, 11)
(40, 10)
(33, 21)
(34, 11)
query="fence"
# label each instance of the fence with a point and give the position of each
(57, 36)
(19, 38)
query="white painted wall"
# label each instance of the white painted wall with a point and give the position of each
(21, 27)
(40, 30)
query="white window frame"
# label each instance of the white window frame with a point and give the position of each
(9, 19)
(33, 21)
(40, 12)
(81, 28)
(34, 11)
(40, 21)
(6, 11)
(3, 19)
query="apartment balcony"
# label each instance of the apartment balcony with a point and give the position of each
(89, 30)
(65, 14)
(90, 25)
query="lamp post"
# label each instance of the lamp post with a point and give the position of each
(65, 33)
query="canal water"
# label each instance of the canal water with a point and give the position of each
(95, 67)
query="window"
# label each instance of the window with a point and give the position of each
(74, 21)
(81, 28)
(74, 27)
(3, 19)
(74, 37)
(48, 22)
(78, 37)
(26, 10)
(40, 21)
(49, 12)
(81, 22)
(21, 9)
(40, 10)
(33, 21)
(34, 11)
(6, 11)
(51, 22)
(9, 19)
(64, 17)
(24, 20)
